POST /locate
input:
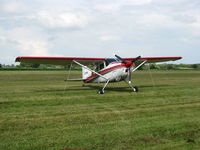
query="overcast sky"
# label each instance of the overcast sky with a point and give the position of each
(100, 28)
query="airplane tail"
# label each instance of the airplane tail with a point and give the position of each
(85, 73)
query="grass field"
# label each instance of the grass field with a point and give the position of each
(36, 113)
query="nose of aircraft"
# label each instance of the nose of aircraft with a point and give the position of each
(129, 64)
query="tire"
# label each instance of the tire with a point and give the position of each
(101, 91)
(135, 89)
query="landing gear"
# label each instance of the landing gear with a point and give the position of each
(101, 91)
(135, 89)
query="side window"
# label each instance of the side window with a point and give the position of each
(101, 66)
(96, 67)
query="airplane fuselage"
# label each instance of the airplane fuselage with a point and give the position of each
(115, 71)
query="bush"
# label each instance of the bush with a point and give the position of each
(35, 65)
(170, 67)
(154, 66)
(194, 66)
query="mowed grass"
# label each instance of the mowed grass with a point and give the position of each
(38, 111)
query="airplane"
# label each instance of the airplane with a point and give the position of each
(106, 69)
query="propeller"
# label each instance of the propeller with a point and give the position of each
(136, 59)
(118, 57)
(123, 61)
(128, 65)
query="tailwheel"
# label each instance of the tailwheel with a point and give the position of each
(101, 91)
(135, 89)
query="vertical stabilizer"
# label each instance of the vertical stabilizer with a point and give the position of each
(85, 73)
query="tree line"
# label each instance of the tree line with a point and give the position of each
(163, 66)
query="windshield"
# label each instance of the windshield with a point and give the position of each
(110, 60)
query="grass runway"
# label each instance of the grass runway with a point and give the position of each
(38, 111)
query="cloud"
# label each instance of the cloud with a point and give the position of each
(154, 20)
(117, 5)
(187, 24)
(33, 47)
(190, 20)
(26, 41)
(109, 38)
(2, 39)
(13, 7)
(62, 19)
(41, 14)
(195, 26)
(137, 2)
(108, 7)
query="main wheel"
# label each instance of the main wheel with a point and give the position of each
(135, 89)
(101, 91)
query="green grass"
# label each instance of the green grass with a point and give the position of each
(36, 113)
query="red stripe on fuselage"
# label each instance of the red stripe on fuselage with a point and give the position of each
(93, 76)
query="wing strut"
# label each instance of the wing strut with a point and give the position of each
(139, 65)
(89, 69)
(101, 90)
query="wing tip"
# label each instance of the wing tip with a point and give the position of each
(177, 58)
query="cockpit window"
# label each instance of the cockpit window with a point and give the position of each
(99, 66)
(110, 60)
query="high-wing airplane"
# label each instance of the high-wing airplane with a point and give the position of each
(106, 69)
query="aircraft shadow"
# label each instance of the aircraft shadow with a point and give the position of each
(161, 85)
(126, 88)
(95, 87)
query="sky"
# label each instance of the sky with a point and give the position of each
(100, 28)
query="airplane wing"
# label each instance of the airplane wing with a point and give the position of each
(84, 60)
(155, 59)
(58, 60)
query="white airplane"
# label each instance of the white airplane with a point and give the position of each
(106, 69)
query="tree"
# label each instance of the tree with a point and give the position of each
(152, 66)
(35, 65)
(194, 66)
(170, 66)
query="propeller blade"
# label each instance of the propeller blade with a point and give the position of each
(134, 60)
(118, 57)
